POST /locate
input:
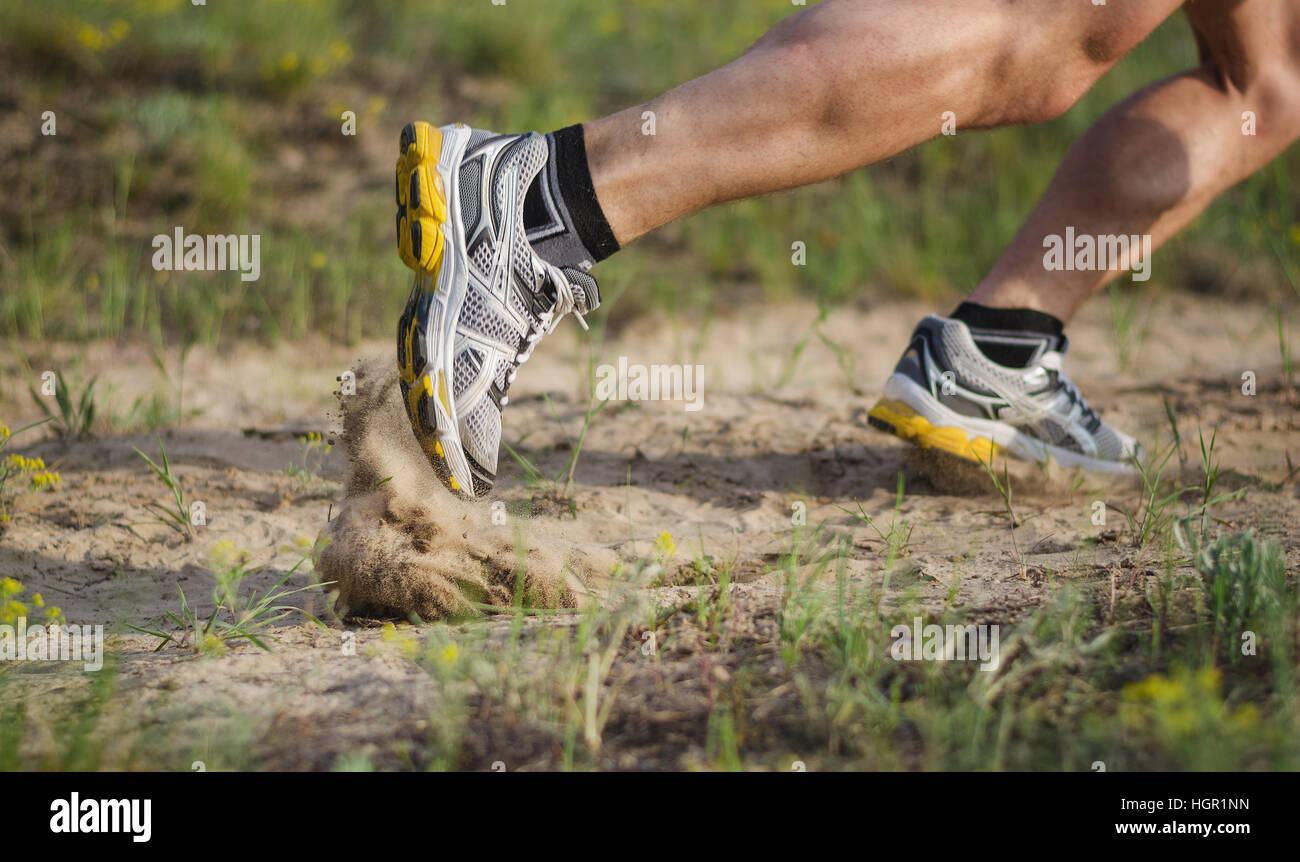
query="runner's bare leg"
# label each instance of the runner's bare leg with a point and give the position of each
(846, 83)
(1152, 163)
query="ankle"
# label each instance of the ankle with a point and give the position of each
(1021, 294)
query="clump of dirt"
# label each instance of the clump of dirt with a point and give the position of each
(958, 477)
(948, 474)
(404, 547)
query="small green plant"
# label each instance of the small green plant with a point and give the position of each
(19, 473)
(1210, 472)
(533, 476)
(1241, 578)
(178, 383)
(1155, 512)
(1002, 485)
(176, 514)
(551, 488)
(72, 421)
(845, 358)
(1284, 348)
(1128, 332)
(306, 473)
(602, 634)
(246, 615)
(1184, 715)
(593, 410)
(1178, 437)
(12, 607)
(900, 531)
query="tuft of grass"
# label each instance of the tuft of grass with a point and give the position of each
(561, 683)
(176, 383)
(1242, 580)
(549, 487)
(899, 534)
(305, 474)
(176, 513)
(1128, 330)
(236, 614)
(1284, 349)
(74, 734)
(1002, 484)
(75, 417)
(1156, 510)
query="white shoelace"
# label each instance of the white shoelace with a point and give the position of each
(1053, 361)
(565, 302)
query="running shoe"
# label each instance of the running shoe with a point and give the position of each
(481, 299)
(945, 393)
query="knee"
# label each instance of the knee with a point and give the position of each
(1271, 92)
(1255, 58)
(1275, 101)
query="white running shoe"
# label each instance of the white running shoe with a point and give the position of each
(945, 393)
(481, 299)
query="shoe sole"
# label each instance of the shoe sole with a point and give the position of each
(427, 227)
(911, 413)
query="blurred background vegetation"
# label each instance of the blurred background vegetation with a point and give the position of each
(226, 118)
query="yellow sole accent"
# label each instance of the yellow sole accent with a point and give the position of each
(902, 421)
(408, 363)
(424, 387)
(442, 392)
(431, 450)
(421, 199)
(413, 399)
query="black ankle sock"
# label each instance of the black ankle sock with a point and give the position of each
(990, 326)
(1010, 319)
(565, 224)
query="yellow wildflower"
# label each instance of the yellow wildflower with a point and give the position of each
(91, 38)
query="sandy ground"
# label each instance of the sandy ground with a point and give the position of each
(780, 426)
